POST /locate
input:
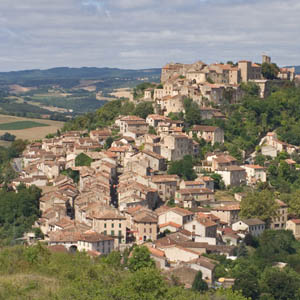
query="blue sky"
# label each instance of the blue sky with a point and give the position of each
(145, 33)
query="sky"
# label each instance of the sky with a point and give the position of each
(135, 34)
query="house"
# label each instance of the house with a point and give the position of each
(255, 174)
(272, 140)
(232, 175)
(176, 146)
(156, 162)
(166, 186)
(68, 239)
(192, 197)
(206, 266)
(94, 241)
(202, 228)
(197, 184)
(279, 221)
(177, 253)
(227, 213)
(294, 226)
(170, 227)
(177, 215)
(132, 124)
(171, 104)
(253, 226)
(230, 237)
(209, 182)
(159, 257)
(222, 161)
(210, 134)
(100, 136)
(145, 226)
(110, 222)
(208, 113)
(134, 193)
(154, 120)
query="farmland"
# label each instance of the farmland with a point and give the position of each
(25, 128)
(20, 125)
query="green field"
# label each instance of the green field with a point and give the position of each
(20, 125)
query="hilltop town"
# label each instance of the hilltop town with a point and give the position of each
(101, 193)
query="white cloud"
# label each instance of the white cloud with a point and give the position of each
(145, 33)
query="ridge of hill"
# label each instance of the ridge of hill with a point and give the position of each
(77, 73)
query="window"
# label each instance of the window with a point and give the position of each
(120, 225)
(194, 227)
(112, 225)
(105, 232)
(120, 233)
(104, 225)
(113, 233)
(144, 230)
(150, 230)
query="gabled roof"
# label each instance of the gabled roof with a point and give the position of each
(181, 211)
(93, 237)
(205, 262)
(204, 128)
(108, 215)
(172, 224)
(144, 217)
(253, 222)
(227, 207)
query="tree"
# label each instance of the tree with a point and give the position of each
(242, 250)
(281, 284)
(251, 88)
(248, 284)
(144, 109)
(113, 259)
(8, 137)
(140, 258)
(127, 108)
(192, 112)
(250, 240)
(108, 142)
(218, 181)
(260, 205)
(294, 203)
(275, 245)
(269, 71)
(17, 148)
(183, 168)
(199, 284)
(152, 130)
(83, 160)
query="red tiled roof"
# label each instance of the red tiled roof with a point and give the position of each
(172, 224)
(296, 221)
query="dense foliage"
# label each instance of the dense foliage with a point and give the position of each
(257, 272)
(260, 205)
(18, 211)
(106, 115)
(7, 172)
(36, 273)
(183, 168)
(269, 70)
(247, 122)
(192, 112)
(83, 160)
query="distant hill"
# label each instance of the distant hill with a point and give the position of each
(77, 74)
(297, 68)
